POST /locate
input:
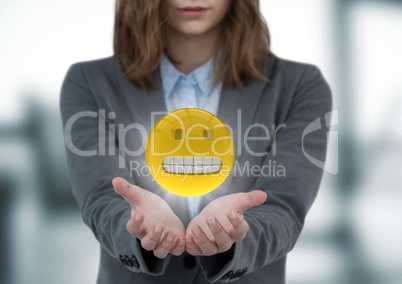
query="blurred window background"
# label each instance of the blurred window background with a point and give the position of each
(353, 231)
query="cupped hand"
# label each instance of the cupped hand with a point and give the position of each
(220, 224)
(152, 220)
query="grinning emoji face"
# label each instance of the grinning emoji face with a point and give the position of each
(190, 152)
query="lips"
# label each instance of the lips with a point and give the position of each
(193, 12)
(191, 165)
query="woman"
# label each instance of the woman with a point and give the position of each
(214, 55)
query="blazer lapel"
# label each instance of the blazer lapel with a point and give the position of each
(237, 109)
(143, 105)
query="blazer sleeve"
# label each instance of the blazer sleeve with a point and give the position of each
(275, 226)
(91, 173)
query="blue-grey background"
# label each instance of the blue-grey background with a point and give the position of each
(353, 232)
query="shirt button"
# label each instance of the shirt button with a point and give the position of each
(193, 81)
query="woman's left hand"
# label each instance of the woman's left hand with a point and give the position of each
(220, 224)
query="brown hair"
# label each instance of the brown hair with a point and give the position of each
(139, 42)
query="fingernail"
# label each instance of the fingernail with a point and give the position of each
(169, 238)
(137, 217)
(189, 239)
(181, 243)
(212, 222)
(197, 231)
(158, 229)
(233, 215)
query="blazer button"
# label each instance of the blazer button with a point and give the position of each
(237, 274)
(228, 275)
(129, 261)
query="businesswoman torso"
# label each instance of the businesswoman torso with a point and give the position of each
(217, 52)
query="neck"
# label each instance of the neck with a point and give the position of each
(191, 52)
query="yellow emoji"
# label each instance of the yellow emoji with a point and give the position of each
(190, 152)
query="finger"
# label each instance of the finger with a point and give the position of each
(207, 246)
(191, 246)
(222, 238)
(251, 199)
(135, 224)
(240, 226)
(163, 248)
(179, 246)
(131, 193)
(151, 239)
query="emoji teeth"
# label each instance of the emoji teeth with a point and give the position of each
(191, 170)
(168, 161)
(198, 161)
(178, 160)
(192, 161)
(191, 165)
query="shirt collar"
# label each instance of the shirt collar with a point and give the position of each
(203, 75)
(169, 75)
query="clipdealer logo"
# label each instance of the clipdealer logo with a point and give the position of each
(107, 146)
(331, 122)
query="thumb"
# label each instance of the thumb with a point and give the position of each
(128, 191)
(252, 199)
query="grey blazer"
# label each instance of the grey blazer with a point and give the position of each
(296, 96)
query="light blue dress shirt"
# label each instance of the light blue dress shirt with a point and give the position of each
(192, 90)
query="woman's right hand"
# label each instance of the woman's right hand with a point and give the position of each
(152, 220)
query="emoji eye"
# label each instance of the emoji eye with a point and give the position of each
(207, 134)
(178, 134)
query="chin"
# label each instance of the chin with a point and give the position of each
(193, 30)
